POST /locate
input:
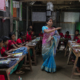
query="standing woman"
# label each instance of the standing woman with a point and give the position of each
(49, 45)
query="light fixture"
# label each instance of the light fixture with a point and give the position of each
(50, 6)
(32, 3)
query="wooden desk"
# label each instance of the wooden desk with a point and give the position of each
(34, 50)
(77, 54)
(69, 46)
(6, 71)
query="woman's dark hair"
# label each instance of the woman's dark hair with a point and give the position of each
(11, 33)
(49, 19)
(1, 40)
(22, 34)
(5, 38)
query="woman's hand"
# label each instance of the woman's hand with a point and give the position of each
(58, 28)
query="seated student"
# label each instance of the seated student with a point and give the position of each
(78, 63)
(32, 32)
(41, 34)
(60, 33)
(67, 37)
(6, 42)
(29, 35)
(76, 35)
(3, 53)
(61, 36)
(12, 43)
(21, 40)
(78, 41)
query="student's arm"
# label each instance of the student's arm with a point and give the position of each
(11, 50)
(49, 31)
(3, 57)
(14, 46)
(18, 45)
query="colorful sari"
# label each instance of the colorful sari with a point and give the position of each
(49, 50)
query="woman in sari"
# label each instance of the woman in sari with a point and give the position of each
(49, 45)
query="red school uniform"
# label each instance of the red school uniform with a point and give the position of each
(28, 37)
(41, 35)
(28, 33)
(75, 38)
(2, 52)
(68, 37)
(19, 41)
(61, 35)
(10, 44)
(78, 41)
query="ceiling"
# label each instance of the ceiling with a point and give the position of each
(58, 4)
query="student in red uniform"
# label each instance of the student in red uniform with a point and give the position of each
(3, 52)
(12, 43)
(29, 35)
(78, 63)
(78, 41)
(67, 37)
(61, 36)
(5, 41)
(41, 34)
(60, 33)
(76, 35)
(21, 40)
(30, 27)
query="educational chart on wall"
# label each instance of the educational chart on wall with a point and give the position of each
(39, 16)
(71, 16)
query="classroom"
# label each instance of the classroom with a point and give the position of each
(39, 39)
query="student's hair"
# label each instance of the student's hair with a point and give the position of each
(67, 32)
(77, 30)
(5, 38)
(22, 34)
(49, 19)
(78, 34)
(1, 40)
(10, 34)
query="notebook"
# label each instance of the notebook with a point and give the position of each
(17, 54)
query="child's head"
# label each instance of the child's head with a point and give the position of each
(78, 36)
(22, 35)
(59, 31)
(67, 33)
(1, 42)
(77, 32)
(30, 27)
(12, 36)
(5, 40)
(49, 22)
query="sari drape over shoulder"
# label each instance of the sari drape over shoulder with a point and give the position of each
(49, 49)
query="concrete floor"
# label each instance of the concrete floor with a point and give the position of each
(63, 71)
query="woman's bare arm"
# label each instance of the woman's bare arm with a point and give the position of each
(49, 31)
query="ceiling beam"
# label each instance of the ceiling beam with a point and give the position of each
(46, 0)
